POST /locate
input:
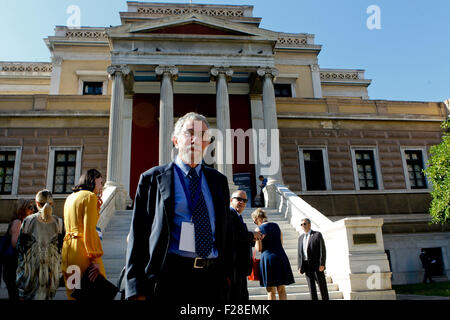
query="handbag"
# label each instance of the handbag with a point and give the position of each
(254, 276)
(100, 289)
(6, 249)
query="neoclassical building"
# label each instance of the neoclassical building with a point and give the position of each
(109, 98)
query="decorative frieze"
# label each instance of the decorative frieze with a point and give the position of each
(26, 67)
(340, 75)
(172, 11)
(292, 41)
(86, 34)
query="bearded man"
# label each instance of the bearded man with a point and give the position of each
(179, 244)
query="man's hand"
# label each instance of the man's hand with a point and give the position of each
(321, 268)
(94, 272)
(258, 235)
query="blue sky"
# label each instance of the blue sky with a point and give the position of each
(407, 59)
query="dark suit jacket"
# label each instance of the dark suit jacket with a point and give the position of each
(242, 246)
(316, 251)
(152, 221)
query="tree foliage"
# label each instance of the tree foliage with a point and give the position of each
(438, 173)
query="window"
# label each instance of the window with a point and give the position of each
(413, 163)
(9, 169)
(92, 88)
(64, 169)
(7, 163)
(92, 82)
(366, 170)
(64, 175)
(314, 169)
(283, 90)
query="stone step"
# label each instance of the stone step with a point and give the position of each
(292, 288)
(334, 295)
(299, 280)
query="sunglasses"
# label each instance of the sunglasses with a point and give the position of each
(304, 224)
(241, 199)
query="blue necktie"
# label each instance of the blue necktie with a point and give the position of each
(200, 217)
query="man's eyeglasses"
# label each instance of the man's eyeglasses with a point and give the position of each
(241, 199)
(198, 134)
(303, 224)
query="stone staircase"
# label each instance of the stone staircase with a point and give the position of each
(114, 247)
(298, 290)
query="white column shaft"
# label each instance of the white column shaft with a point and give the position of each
(165, 119)
(223, 123)
(270, 120)
(115, 137)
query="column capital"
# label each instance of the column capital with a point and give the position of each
(114, 68)
(315, 68)
(267, 72)
(163, 69)
(216, 71)
(57, 61)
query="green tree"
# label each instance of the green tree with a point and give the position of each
(438, 173)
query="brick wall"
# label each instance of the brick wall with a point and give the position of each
(339, 142)
(35, 144)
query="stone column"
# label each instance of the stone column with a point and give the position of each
(317, 84)
(224, 150)
(166, 74)
(56, 74)
(114, 194)
(271, 125)
(117, 73)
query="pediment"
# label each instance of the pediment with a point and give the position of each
(193, 28)
(193, 24)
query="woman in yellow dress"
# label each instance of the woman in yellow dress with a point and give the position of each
(82, 247)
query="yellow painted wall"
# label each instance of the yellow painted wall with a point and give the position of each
(69, 79)
(304, 87)
(99, 103)
(13, 103)
(25, 80)
(357, 91)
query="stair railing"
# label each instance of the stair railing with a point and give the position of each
(356, 259)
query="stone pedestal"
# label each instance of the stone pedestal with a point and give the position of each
(356, 259)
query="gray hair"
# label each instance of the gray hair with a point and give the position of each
(188, 116)
(306, 219)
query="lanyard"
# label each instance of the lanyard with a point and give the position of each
(191, 204)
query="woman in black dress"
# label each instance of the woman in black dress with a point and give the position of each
(275, 269)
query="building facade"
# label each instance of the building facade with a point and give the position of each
(109, 98)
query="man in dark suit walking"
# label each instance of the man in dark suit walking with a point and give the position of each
(178, 245)
(311, 259)
(243, 241)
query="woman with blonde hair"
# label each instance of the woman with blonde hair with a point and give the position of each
(82, 248)
(39, 259)
(274, 266)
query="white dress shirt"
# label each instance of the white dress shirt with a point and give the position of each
(305, 244)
